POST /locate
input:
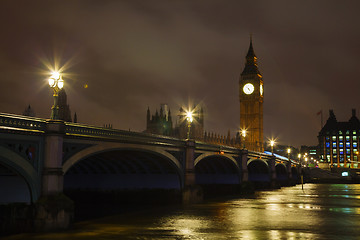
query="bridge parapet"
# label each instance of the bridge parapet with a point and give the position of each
(87, 131)
(9, 122)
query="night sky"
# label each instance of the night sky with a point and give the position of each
(137, 54)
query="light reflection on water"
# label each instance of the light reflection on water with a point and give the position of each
(319, 212)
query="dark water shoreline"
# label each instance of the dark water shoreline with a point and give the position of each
(320, 211)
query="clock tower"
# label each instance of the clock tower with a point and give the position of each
(251, 88)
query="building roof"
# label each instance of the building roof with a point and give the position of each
(333, 125)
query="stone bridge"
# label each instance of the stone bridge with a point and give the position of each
(40, 157)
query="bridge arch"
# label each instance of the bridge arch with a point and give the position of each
(117, 162)
(26, 179)
(281, 172)
(213, 168)
(259, 170)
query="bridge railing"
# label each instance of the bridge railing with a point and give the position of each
(81, 130)
(10, 122)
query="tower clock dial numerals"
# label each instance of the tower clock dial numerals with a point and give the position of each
(248, 88)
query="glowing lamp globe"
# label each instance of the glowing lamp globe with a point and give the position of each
(61, 83)
(189, 116)
(51, 82)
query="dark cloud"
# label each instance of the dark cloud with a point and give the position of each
(135, 54)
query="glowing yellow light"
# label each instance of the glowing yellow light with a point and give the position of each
(85, 85)
(189, 116)
(243, 133)
(272, 143)
(55, 75)
(288, 150)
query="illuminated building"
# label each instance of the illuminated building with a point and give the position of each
(251, 88)
(339, 142)
(161, 123)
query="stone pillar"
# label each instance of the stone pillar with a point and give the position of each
(54, 210)
(52, 180)
(273, 179)
(191, 193)
(288, 169)
(244, 168)
(189, 163)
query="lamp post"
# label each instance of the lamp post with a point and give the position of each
(56, 83)
(243, 134)
(189, 119)
(289, 151)
(272, 143)
(299, 156)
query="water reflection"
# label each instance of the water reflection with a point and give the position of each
(318, 212)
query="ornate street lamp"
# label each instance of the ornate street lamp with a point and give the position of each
(243, 134)
(289, 151)
(189, 119)
(56, 83)
(272, 143)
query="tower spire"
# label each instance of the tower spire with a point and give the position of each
(251, 61)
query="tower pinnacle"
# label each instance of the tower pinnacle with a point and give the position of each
(251, 61)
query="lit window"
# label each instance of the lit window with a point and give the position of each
(348, 151)
(347, 144)
(341, 159)
(341, 151)
(327, 144)
(340, 132)
(347, 132)
(334, 150)
(334, 144)
(347, 138)
(341, 144)
(354, 150)
(354, 144)
(327, 138)
(348, 157)
(354, 138)
(341, 138)
(354, 132)
(334, 138)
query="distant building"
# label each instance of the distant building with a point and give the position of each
(309, 155)
(29, 112)
(160, 123)
(64, 109)
(339, 142)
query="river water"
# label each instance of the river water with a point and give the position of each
(320, 211)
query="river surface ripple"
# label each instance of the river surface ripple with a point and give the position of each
(320, 211)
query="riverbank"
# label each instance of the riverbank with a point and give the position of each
(334, 176)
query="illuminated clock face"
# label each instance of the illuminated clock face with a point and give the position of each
(248, 88)
(261, 90)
